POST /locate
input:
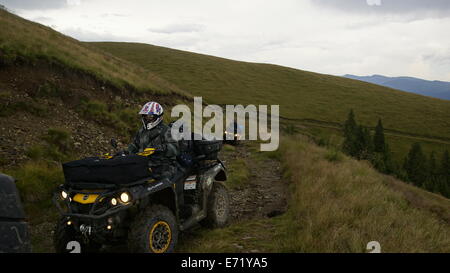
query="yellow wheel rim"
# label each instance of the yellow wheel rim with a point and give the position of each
(160, 237)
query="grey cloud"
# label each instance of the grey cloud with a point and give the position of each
(419, 8)
(438, 59)
(177, 28)
(33, 4)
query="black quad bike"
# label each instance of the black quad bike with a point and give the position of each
(118, 199)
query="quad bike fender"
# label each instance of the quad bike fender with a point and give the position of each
(216, 173)
(164, 193)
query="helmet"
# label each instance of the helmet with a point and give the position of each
(151, 114)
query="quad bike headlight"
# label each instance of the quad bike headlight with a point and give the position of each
(113, 201)
(125, 197)
(64, 194)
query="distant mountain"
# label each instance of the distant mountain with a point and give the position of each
(436, 89)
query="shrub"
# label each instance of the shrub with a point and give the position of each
(58, 138)
(32, 107)
(58, 146)
(333, 155)
(123, 120)
(37, 180)
(98, 111)
(48, 90)
(35, 152)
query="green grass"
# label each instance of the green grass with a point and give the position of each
(333, 155)
(36, 181)
(31, 106)
(24, 41)
(49, 90)
(123, 119)
(337, 206)
(57, 146)
(239, 173)
(300, 94)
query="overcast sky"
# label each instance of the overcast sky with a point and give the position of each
(362, 37)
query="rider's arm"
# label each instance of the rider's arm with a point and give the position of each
(134, 146)
(172, 149)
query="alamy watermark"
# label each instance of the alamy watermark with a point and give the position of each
(257, 123)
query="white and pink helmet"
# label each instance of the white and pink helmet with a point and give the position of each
(152, 114)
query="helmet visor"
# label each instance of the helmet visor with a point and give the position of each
(149, 118)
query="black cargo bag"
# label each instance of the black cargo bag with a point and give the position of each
(118, 170)
(207, 149)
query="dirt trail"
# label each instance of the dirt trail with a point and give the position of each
(264, 195)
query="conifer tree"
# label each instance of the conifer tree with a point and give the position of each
(363, 143)
(350, 135)
(445, 175)
(378, 139)
(416, 166)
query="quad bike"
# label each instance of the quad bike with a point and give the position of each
(14, 234)
(118, 199)
(233, 134)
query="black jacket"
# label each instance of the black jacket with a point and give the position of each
(160, 137)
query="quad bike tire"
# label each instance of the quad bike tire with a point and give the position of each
(65, 234)
(154, 230)
(218, 207)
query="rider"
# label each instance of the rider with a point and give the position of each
(155, 134)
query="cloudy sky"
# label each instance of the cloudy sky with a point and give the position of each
(362, 37)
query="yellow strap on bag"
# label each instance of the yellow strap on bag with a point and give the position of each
(147, 152)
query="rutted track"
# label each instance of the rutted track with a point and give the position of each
(264, 195)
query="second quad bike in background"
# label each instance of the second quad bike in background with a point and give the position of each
(112, 200)
(233, 134)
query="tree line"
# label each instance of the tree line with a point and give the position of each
(431, 172)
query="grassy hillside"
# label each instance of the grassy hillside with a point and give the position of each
(337, 204)
(26, 41)
(61, 100)
(301, 94)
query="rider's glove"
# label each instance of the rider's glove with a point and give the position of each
(160, 147)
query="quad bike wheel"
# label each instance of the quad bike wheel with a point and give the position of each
(65, 234)
(153, 231)
(218, 210)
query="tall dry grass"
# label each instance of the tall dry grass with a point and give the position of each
(340, 206)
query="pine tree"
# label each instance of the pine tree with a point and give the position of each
(350, 135)
(445, 165)
(378, 139)
(432, 183)
(416, 166)
(445, 175)
(364, 147)
(388, 161)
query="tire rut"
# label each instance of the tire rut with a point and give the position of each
(265, 195)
